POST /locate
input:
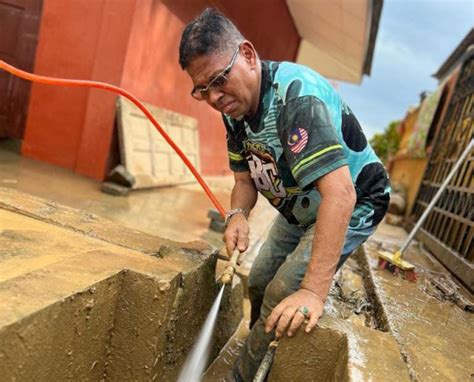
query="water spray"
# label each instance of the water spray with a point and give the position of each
(197, 360)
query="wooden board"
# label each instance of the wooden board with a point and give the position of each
(146, 154)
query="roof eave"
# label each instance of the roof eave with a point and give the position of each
(376, 12)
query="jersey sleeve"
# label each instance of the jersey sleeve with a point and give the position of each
(235, 149)
(309, 140)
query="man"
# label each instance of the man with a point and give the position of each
(291, 138)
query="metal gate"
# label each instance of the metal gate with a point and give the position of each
(448, 231)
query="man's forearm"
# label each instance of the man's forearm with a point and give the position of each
(244, 195)
(329, 235)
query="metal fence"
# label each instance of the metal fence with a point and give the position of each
(449, 230)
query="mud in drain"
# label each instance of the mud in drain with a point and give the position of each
(350, 296)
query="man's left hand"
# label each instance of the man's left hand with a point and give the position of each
(286, 314)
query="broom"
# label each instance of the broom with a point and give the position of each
(394, 262)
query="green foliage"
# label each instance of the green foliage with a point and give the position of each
(386, 144)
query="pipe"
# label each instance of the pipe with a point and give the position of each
(102, 85)
(266, 363)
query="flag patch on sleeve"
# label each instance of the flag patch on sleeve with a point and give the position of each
(297, 139)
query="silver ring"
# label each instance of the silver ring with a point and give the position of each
(303, 310)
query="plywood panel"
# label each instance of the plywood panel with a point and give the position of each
(146, 154)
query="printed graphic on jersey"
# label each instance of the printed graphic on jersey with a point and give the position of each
(264, 172)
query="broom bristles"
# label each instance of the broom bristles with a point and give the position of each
(402, 267)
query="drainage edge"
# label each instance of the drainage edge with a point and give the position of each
(381, 315)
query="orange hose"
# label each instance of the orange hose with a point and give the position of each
(102, 85)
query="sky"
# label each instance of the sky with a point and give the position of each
(414, 38)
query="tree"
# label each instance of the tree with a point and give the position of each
(387, 143)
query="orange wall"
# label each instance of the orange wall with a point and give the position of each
(153, 74)
(81, 39)
(133, 44)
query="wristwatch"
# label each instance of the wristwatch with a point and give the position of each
(233, 212)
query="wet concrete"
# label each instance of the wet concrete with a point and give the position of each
(345, 347)
(424, 337)
(419, 337)
(338, 350)
(76, 305)
(434, 336)
(55, 343)
(176, 213)
(376, 327)
(151, 293)
(348, 344)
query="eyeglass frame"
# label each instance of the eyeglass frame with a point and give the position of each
(204, 89)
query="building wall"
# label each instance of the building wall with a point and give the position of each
(409, 171)
(134, 44)
(82, 39)
(403, 169)
(407, 128)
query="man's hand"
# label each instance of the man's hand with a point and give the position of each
(237, 234)
(286, 315)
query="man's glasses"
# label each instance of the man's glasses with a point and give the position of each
(217, 82)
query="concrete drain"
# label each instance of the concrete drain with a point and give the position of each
(129, 326)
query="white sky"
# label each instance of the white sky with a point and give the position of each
(415, 37)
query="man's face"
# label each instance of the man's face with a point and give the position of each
(234, 84)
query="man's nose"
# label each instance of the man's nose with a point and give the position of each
(214, 96)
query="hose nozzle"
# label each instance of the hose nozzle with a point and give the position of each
(227, 275)
(229, 271)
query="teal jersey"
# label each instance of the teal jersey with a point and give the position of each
(302, 131)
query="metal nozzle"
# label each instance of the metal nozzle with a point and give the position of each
(227, 275)
(229, 271)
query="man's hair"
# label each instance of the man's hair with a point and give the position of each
(211, 32)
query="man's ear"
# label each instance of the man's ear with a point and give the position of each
(249, 53)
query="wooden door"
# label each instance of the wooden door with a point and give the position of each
(19, 25)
